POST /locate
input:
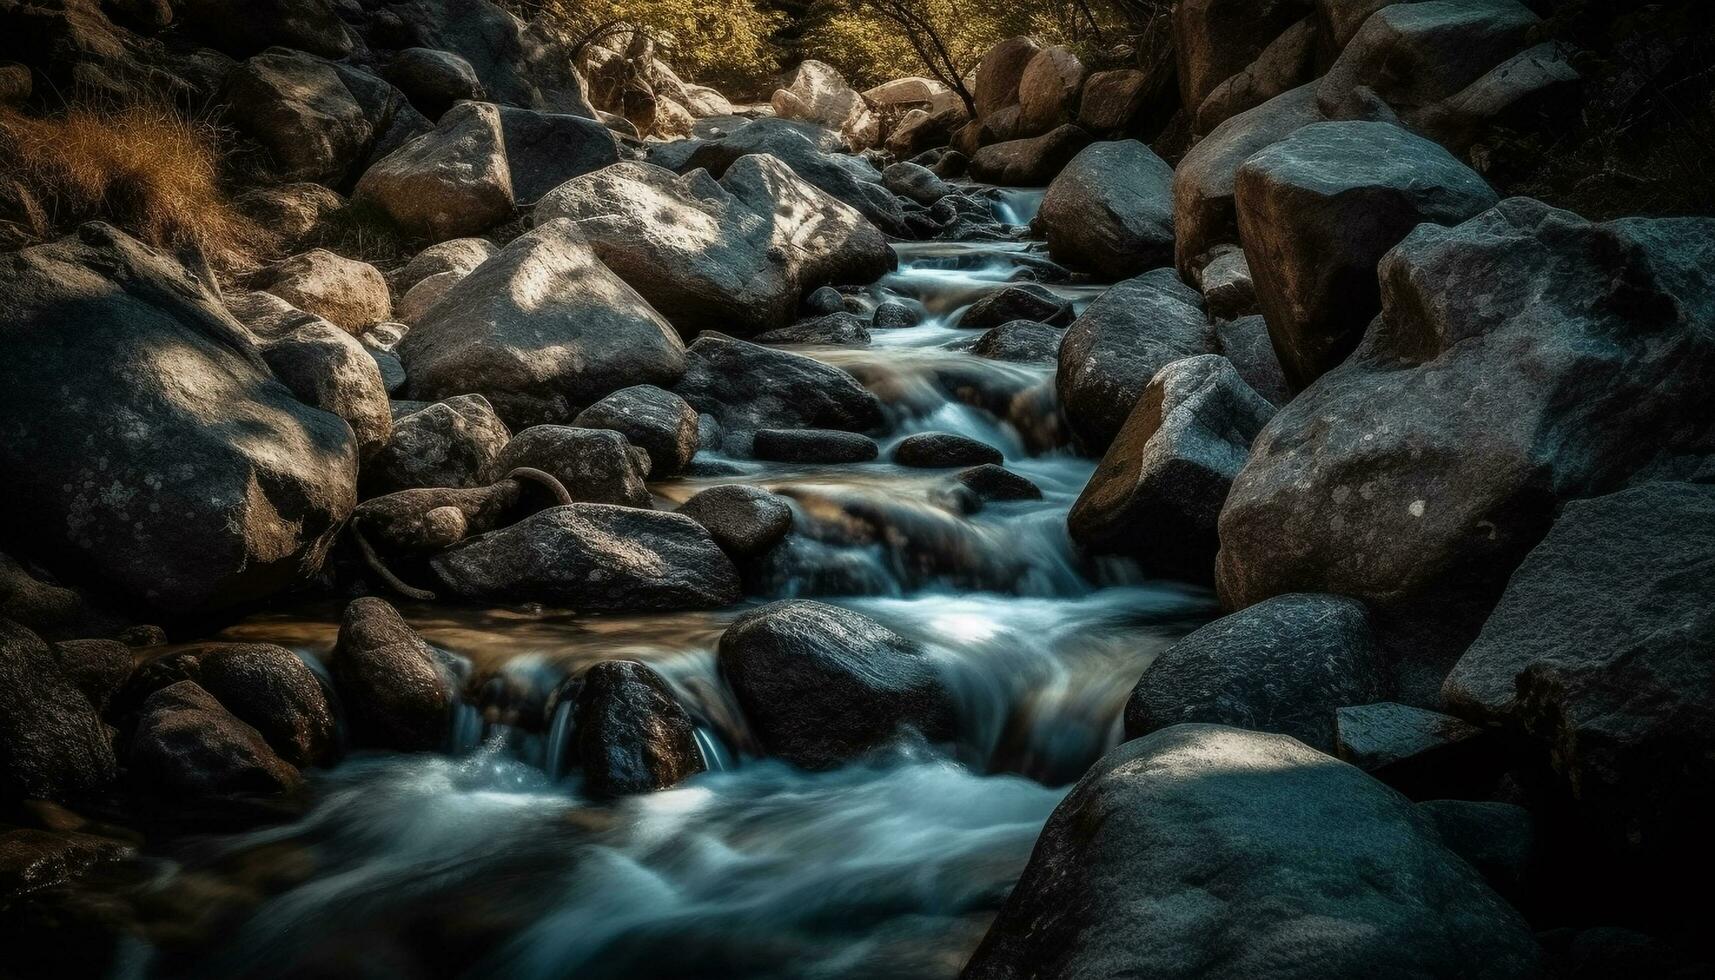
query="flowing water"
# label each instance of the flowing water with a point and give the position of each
(488, 861)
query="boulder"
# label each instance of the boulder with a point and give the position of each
(659, 422)
(999, 72)
(1227, 286)
(328, 368)
(1158, 491)
(748, 387)
(1111, 211)
(1497, 839)
(911, 91)
(395, 691)
(256, 484)
(633, 734)
(919, 130)
(832, 330)
(1049, 88)
(1112, 351)
(241, 27)
(914, 181)
(296, 212)
(812, 446)
(993, 482)
(1029, 162)
(822, 685)
(458, 255)
(422, 297)
(594, 465)
(1121, 102)
(594, 558)
(816, 92)
(1288, 62)
(1534, 90)
(1215, 39)
(546, 149)
(434, 80)
(187, 746)
(706, 103)
(744, 520)
(97, 668)
(35, 600)
(1407, 56)
(542, 329)
(1022, 341)
(934, 450)
(270, 689)
(1246, 343)
(1211, 853)
(1619, 694)
(1521, 359)
(1424, 754)
(1028, 301)
(1281, 666)
(1319, 209)
(52, 742)
(451, 443)
(348, 293)
(448, 183)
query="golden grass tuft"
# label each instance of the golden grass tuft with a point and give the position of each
(145, 168)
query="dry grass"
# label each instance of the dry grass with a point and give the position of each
(144, 168)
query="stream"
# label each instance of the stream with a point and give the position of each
(488, 860)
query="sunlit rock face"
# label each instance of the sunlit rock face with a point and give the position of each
(146, 445)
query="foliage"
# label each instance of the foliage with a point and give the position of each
(724, 43)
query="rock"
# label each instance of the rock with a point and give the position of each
(1049, 88)
(348, 293)
(1423, 754)
(35, 600)
(395, 692)
(1158, 492)
(943, 449)
(916, 182)
(1620, 693)
(1534, 89)
(744, 520)
(993, 482)
(1607, 951)
(330, 369)
(1111, 210)
(1245, 342)
(1303, 867)
(1216, 39)
(546, 149)
(240, 27)
(187, 746)
(34, 860)
(706, 103)
(813, 446)
(660, 422)
(1228, 288)
(1022, 302)
(1022, 341)
(97, 668)
(823, 685)
(1523, 358)
(451, 443)
(919, 130)
(913, 90)
(894, 316)
(1029, 162)
(435, 80)
(542, 329)
(834, 329)
(748, 387)
(52, 743)
(999, 72)
(594, 465)
(1121, 102)
(1410, 55)
(1113, 350)
(1319, 209)
(460, 255)
(296, 212)
(594, 558)
(736, 255)
(270, 689)
(1498, 839)
(825, 301)
(816, 92)
(258, 482)
(449, 183)
(421, 298)
(1288, 62)
(633, 735)
(1280, 666)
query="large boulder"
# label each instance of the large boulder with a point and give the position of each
(1158, 491)
(546, 149)
(330, 369)
(816, 92)
(633, 735)
(1112, 351)
(345, 292)
(659, 422)
(52, 742)
(1319, 209)
(1282, 666)
(1049, 88)
(1599, 652)
(241, 27)
(1208, 853)
(111, 352)
(1215, 39)
(434, 80)
(744, 520)
(1111, 210)
(187, 746)
(396, 692)
(1031, 162)
(747, 387)
(1125, 102)
(542, 329)
(999, 72)
(737, 255)
(268, 688)
(451, 443)
(451, 182)
(1288, 62)
(594, 558)
(594, 465)
(1521, 359)
(822, 685)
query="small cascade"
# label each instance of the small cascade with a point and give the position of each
(557, 758)
(1016, 205)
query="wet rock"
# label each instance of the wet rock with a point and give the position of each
(52, 743)
(894, 316)
(448, 183)
(660, 422)
(813, 446)
(1049, 88)
(1122, 339)
(187, 746)
(1280, 666)
(1498, 839)
(633, 735)
(744, 520)
(943, 449)
(1246, 343)
(1158, 492)
(434, 80)
(1111, 210)
(594, 558)
(541, 329)
(825, 301)
(748, 387)
(460, 255)
(993, 482)
(1618, 693)
(1021, 341)
(1319, 209)
(594, 465)
(1410, 55)
(330, 369)
(1024, 302)
(1031, 162)
(1523, 358)
(839, 329)
(546, 149)
(256, 484)
(823, 685)
(451, 443)
(33, 860)
(916, 182)
(999, 72)
(1423, 754)
(395, 692)
(1305, 867)
(270, 689)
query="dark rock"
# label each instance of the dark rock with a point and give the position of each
(1022, 341)
(1227, 285)
(33, 599)
(32, 860)
(813, 446)
(241, 27)
(395, 692)
(1498, 839)
(839, 329)
(660, 422)
(1216, 39)
(1023, 302)
(97, 668)
(594, 558)
(823, 685)
(453, 443)
(594, 465)
(1604, 952)
(893, 316)
(52, 743)
(993, 482)
(1206, 852)
(1111, 210)
(748, 387)
(744, 520)
(943, 449)
(1158, 492)
(546, 149)
(824, 301)
(633, 735)
(1423, 754)
(918, 183)
(1049, 88)
(1246, 343)
(1290, 60)
(1029, 162)
(187, 746)
(1125, 102)
(434, 80)
(270, 689)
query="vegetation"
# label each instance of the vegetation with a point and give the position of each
(724, 43)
